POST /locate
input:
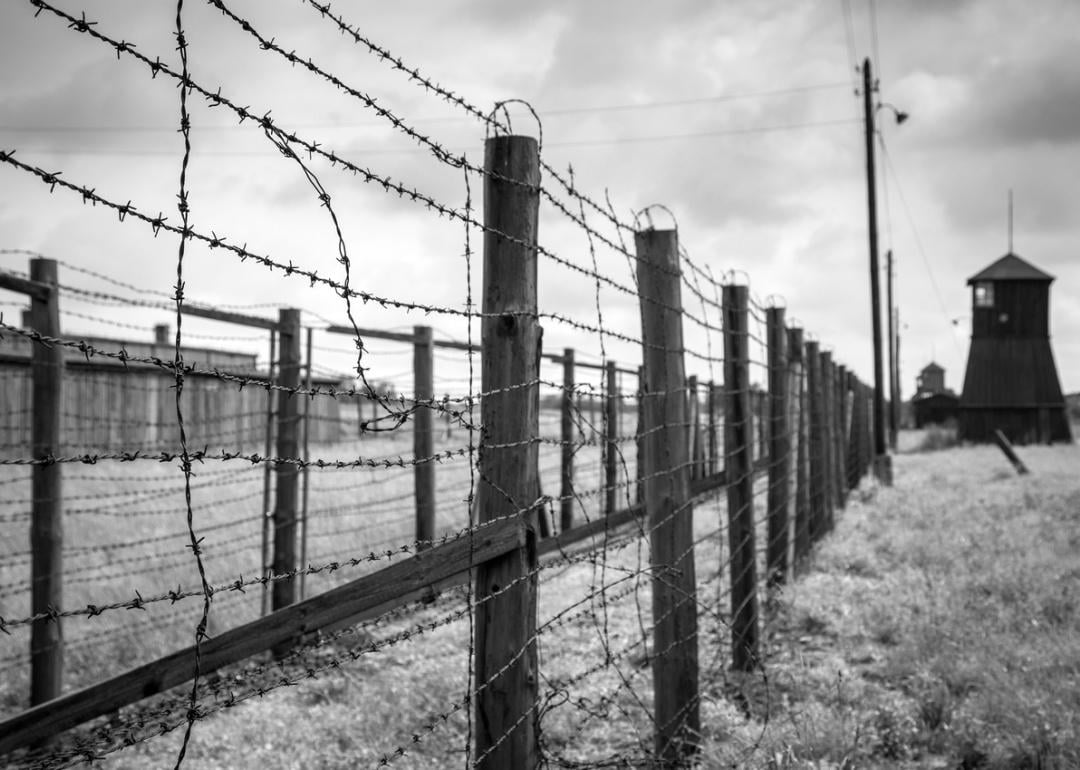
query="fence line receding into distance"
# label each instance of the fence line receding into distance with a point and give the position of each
(648, 488)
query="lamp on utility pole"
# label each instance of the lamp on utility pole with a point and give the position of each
(882, 461)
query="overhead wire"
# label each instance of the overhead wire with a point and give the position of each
(622, 107)
(918, 242)
(738, 131)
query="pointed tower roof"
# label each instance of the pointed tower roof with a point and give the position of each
(1010, 268)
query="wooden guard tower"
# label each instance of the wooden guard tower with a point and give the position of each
(1011, 382)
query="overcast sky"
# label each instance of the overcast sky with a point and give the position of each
(740, 117)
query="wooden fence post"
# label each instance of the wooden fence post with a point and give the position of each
(866, 438)
(828, 409)
(797, 371)
(268, 472)
(288, 446)
(840, 437)
(46, 516)
(853, 433)
(611, 436)
(667, 499)
(697, 444)
(566, 489)
(761, 412)
(639, 437)
(816, 443)
(739, 465)
(424, 433)
(505, 612)
(779, 448)
(714, 448)
(305, 487)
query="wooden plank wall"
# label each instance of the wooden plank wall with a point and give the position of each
(110, 411)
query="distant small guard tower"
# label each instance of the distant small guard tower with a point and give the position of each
(1011, 382)
(933, 403)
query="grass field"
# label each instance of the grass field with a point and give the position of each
(937, 626)
(125, 532)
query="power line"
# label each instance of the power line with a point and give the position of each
(704, 134)
(702, 100)
(919, 244)
(715, 99)
(874, 36)
(748, 130)
(849, 35)
(853, 65)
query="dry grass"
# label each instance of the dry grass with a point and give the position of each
(125, 532)
(936, 627)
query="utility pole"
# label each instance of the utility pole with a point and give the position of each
(882, 462)
(896, 367)
(892, 351)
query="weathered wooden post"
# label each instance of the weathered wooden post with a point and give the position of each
(305, 487)
(1006, 448)
(287, 474)
(815, 396)
(797, 372)
(862, 438)
(711, 398)
(761, 412)
(853, 434)
(779, 448)
(840, 438)
(667, 500)
(828, 408)
(867, 407)
(697, 443)
(611, 437)
(639, 438)
(424, 433)
(566, 489)
(739, 464)
(46, 515)
(268, 473)
(505, 612)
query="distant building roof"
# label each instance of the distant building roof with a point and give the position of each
(946, 395)
(933, 366)
(1010, 268)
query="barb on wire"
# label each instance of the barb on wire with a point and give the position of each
(194, 541)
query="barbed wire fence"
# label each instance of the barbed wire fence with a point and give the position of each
(209, 530)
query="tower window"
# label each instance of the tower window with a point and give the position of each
(984, 294)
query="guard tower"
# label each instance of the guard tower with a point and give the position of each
(1011, 382)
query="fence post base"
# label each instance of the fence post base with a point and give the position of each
(883, 469)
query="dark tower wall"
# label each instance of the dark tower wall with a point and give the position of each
(1021, 309)
(1011, 382)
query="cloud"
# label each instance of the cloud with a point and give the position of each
(1025, 105)
(65, 117)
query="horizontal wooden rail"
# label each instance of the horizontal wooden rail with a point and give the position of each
(379, 335)
(226, 316)
(704, 486)
(24, 286)
(452, 345)
(397, 337)
(370, 596)
(291, 623)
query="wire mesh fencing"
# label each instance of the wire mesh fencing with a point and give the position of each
(561, 524)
